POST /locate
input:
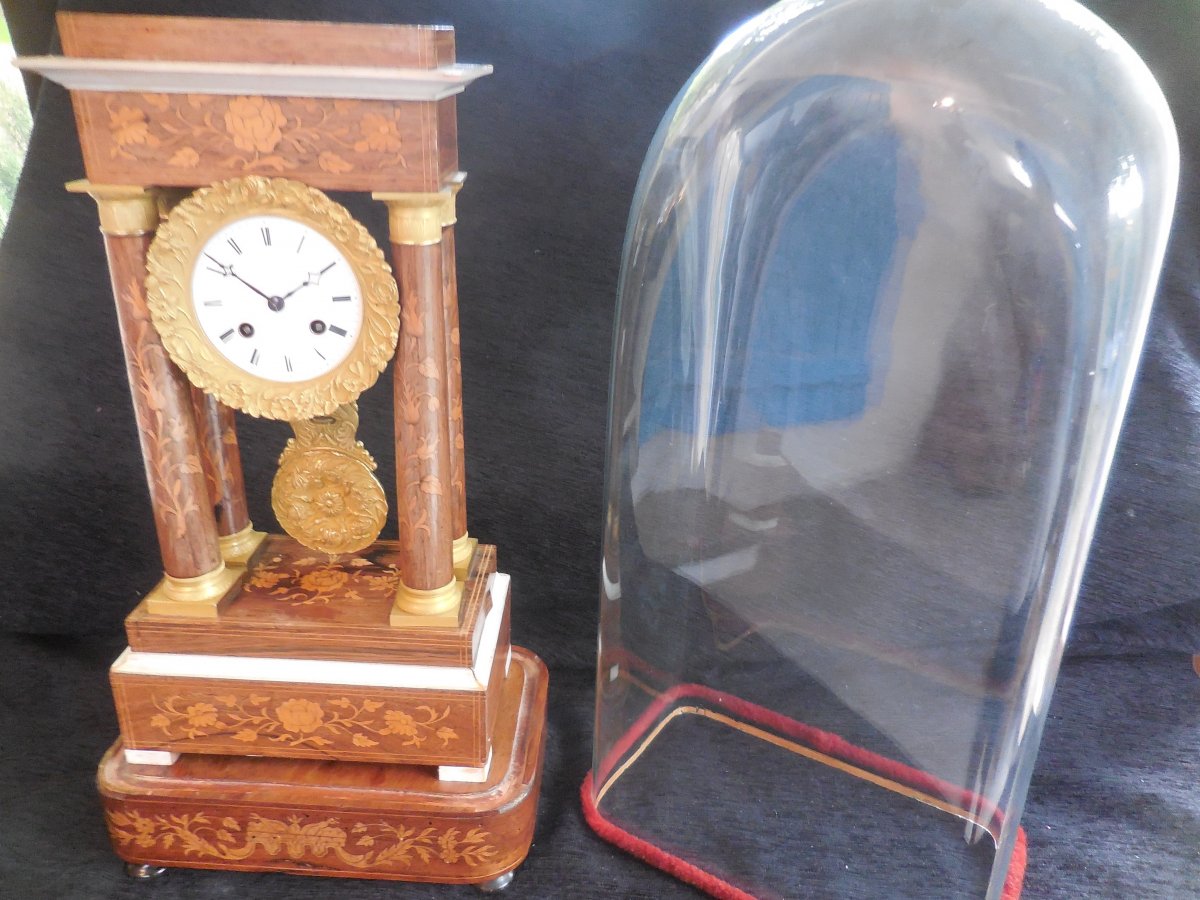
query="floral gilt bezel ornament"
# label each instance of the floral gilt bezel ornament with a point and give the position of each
(177, 251)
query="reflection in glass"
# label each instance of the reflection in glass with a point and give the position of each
(885, 283)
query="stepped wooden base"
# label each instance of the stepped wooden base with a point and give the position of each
(356, 820)
(297, 604)
(304, 663)
(317, 709)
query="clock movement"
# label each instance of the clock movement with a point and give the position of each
(325, 701)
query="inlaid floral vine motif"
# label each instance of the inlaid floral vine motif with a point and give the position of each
(362, 845)
(174, 469)
(254, 134)
(310, 581)
(301, 721)
(419, 399)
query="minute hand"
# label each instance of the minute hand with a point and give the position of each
(248, 284)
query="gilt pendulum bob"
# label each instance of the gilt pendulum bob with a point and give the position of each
(324, 494)
(275, 301)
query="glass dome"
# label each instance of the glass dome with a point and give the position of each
(887, 274)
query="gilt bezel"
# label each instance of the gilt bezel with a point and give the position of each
(171, 261)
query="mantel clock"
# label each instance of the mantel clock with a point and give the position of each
(326, 695)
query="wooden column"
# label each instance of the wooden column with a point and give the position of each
(429, 594)
(464, 546)
(195, 578)
(222, 461)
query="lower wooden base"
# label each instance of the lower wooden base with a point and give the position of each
(356, 820)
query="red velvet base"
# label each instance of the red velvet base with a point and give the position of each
(814, 738)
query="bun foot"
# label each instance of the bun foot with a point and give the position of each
(146, 872)
(497, 884)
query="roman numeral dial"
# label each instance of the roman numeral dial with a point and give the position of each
(277, 299)
(272, 298)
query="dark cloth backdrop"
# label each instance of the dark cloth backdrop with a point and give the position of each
(553, 142)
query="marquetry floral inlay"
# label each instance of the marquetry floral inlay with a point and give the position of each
(253, 133)
(419, 401)
(310, 581)
(301, 722)
(362, 845)
(172, 465)
(254, 123)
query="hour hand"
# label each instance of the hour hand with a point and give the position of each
(215, 265)
(310, 278)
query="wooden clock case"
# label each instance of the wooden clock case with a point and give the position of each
(359, 715)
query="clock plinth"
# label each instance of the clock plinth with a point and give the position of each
(316, 632)
(359, 820)
(355, 709)
(296, 603)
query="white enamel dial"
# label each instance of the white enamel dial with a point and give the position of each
(276, 298)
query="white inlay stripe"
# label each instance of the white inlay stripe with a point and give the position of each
(150, 757)
(498, 587)
(467, 774)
